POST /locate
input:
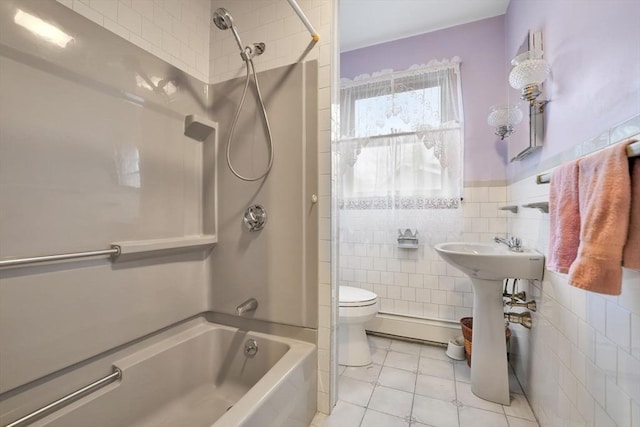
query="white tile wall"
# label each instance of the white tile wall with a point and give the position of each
(417, 282)
(274, 23)
(580, 364)
(176, 31)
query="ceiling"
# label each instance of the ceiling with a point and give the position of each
(368, 22)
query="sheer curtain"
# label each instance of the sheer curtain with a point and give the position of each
(401, 136)
(399, 167)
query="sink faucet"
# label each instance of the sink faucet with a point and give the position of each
(513, 243)
(249, 305)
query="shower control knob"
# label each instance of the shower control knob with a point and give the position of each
(314, 198)
(255, 217)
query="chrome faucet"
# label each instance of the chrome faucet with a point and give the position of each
(249, 305)
(513, 243)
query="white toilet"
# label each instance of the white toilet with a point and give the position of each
(356, 307)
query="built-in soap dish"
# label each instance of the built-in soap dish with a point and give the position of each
(408, 239)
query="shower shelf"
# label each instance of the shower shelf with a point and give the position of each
(139, 248)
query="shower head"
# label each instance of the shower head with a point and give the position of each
(222, 19)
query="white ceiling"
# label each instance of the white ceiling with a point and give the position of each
(368, 22)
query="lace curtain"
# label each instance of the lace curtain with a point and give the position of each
(401, 136)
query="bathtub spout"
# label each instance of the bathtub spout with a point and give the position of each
(249, 305)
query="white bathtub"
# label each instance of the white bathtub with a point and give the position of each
(200, 377)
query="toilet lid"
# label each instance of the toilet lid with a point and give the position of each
(356, 297)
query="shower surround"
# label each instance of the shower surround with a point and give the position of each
(118, 193)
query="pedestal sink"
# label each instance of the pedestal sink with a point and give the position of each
(488, 265)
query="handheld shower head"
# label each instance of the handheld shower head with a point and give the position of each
(222, 19)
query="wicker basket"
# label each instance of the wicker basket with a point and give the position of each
(467, 327)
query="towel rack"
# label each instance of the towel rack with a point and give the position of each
(115, 375)
(633, 150)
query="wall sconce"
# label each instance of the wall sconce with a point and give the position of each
(504, 118)
(528, 73)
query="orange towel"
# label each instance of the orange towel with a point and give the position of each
(605, 200)
(631, 257)
(564, 218)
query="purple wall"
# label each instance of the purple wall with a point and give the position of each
(594, 51)
(481, 47)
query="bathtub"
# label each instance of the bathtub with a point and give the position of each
(200, 376)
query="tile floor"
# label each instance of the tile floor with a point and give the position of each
(411, 384)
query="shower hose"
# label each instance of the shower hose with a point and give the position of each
(250, 69)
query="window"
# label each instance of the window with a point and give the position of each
(401, 138)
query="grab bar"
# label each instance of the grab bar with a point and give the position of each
(114, 251)
(116, 375)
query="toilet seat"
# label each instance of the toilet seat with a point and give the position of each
(356, 297)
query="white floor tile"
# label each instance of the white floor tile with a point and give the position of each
(462, 371)
(408, 362)
(436, 387)
(436, 368)
(418, 384)
(391, 401)
(378, 355)
(467, 398)
(363, 373)
(354, 391)
(519, 422)
(434, 412)
(473, 417)
(344, 415)
(379, 419)
(405, 347)
(397, 378)
(519, 408)
(434, 352)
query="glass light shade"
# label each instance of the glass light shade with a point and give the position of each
(529, 69)
(502, 115)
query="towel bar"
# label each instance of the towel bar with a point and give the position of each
(115, 375)
(633, 150)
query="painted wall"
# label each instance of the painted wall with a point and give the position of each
(480, 45)
(579, 364)
(593, 49)
(175, 31)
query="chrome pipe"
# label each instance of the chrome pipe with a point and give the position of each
(523, 319)
(116, 375)
(114, 251)
(529, 305)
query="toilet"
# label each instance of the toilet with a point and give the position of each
(356, 307)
